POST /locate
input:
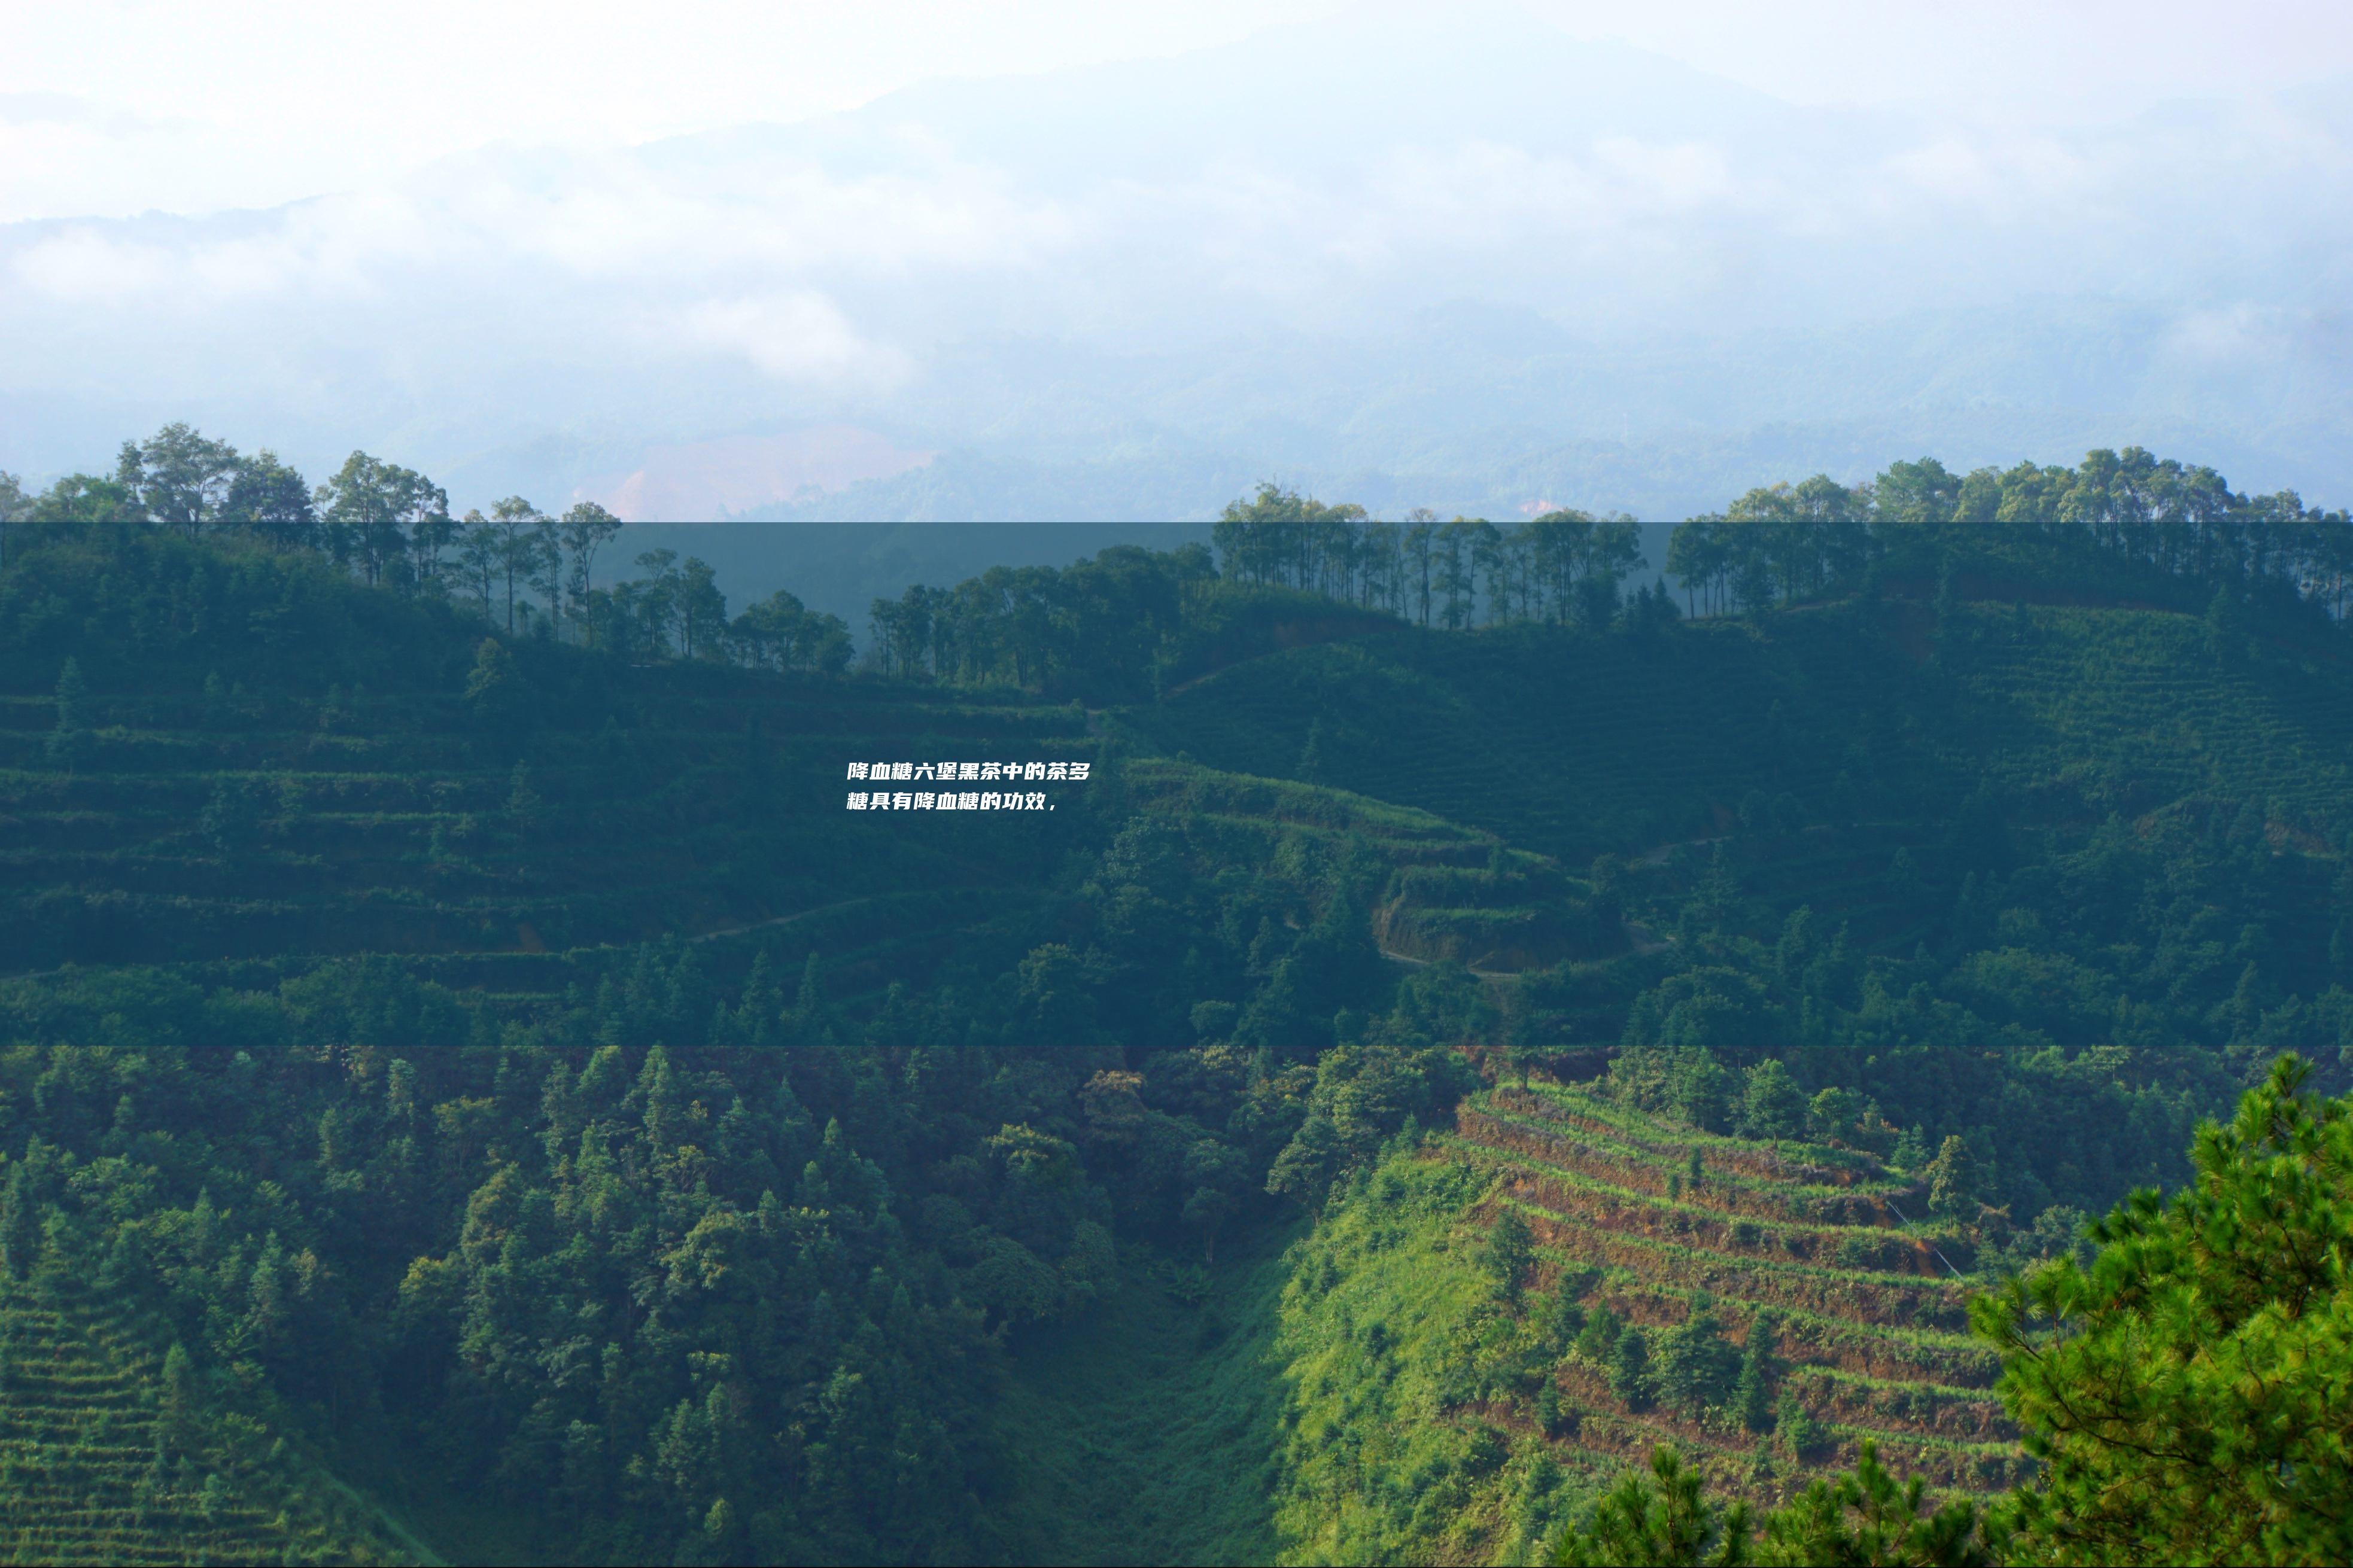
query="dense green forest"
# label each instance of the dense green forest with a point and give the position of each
(1485, 1066)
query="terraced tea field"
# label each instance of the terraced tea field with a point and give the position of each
(89, 1473)
(1451, 892)
(1871, 1315)
(2148, 715)
(1604, 743)
(276, 828)
(1835, 722)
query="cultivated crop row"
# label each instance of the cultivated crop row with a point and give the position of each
(1653, 1224)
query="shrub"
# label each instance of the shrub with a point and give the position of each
(1599, 1339)
(1696, 1364)
(1795, 1428)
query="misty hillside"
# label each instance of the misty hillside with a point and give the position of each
(1478, 266)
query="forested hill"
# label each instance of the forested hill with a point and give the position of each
(485, 1094)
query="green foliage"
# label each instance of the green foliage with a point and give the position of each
(67, 740)
(2116, 518)
(1630, 1378)
(1795, 1428)
(1952, 1178)
(20, 1236)
(1697, 1367)
(1686, 1080)
(1392, 1338)
(1118, 627)
(1153, 1417)
(1549, 1410)
(1848, 1333)
(2185, 1392)
(445, 1223)
(1868, 1516)
(390, 528)
(1564, 567)
(1771, 1103)
(493, 689)
(1363, 1093)
(110, 1457)
(1509, 1249)
(1659, 1520)
(2182, 1393)
(1599, 1338)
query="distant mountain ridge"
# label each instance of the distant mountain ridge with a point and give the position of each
(1469, 263)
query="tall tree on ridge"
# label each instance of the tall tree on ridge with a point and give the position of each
(270, 498)
(178, 477)
(478, 557)
(1420, 537)
(1455, 580)
(518, 525)
(585, 529)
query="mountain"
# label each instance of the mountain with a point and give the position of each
(492, 1097)
(1472, 265)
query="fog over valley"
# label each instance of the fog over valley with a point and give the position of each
(1472, 262)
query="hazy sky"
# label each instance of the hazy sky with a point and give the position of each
(1110, 260)
(113, 107)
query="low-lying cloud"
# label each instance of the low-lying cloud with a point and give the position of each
(925, 269)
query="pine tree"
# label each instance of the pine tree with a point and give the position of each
(1548, 1410)
(2185, 1394)
(810, 1026)
(2226, 628)
(1599, 1337)
(1772, 1105)
(1629, 1369)
(1949, 630)
(1953, 1179)
(1311, 756)
(1510, 1249)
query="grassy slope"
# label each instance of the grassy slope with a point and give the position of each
(2076, 711)
(1149, 1431)
(1384, 1463)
